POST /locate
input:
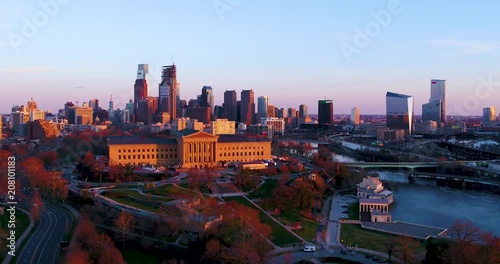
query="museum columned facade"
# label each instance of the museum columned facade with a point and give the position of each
(187, 148)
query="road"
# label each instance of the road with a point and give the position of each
(294, 257)
(43, 245)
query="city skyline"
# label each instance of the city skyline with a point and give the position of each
(236, 53)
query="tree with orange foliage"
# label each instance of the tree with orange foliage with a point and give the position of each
(98, 247)
(213, 250)
(406, 246)
(491, 253)
(78, 256)
(33, 169)
(37, 206)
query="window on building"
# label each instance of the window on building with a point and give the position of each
(133, 156)
(157, 155)
(128, 156)
(170, 155)
(119, 151)
(161, 156)
(143, 156)
(119, 157)
(128, 150)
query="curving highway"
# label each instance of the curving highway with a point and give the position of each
(43, 245)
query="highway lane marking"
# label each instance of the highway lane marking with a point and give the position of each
(53, 229)
(31, 241)
(40, 241)
(68, 219)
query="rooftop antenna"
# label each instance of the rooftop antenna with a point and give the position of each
(172, 57)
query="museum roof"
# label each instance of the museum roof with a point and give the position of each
(373, 201)
(184, 132)
(241, 138)
(135, 140)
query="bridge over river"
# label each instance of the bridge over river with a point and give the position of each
(410, 169)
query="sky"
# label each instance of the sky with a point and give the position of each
(295, 52)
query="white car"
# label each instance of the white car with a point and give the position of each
(309, 248)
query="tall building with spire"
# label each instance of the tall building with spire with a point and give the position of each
(111, 107)
(167, 93)
(141, 84)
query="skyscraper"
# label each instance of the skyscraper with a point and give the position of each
(432, 112)
(247, 111)
(146, 108)
(303, 113)
(111, 106)
(399, 111)
(141, 84)
(438, 93)
(167, 93)
(207, 98)
(229, 105)
(94, 103)
(325, 111)
(262, 103)
(355, 120)
(489, 115)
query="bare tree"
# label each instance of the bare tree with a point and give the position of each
(125, 223)
(464, 230)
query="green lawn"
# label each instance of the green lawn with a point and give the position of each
(353, 211)
(309, 227)
(135, 256)
(22, 221)
(121, 197)
(265, 190)
(172, 191)
(280, 235)
(356, 235)
(141, 196)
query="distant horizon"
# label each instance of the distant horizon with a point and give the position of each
(293, 52)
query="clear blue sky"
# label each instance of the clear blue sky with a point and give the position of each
(288, 50)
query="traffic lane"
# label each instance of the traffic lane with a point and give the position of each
(294, 257)
(43, 246)
(51, 248)
(30, 251)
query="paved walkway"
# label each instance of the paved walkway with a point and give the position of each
(22, 237)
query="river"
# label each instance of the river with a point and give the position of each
(424, 203)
